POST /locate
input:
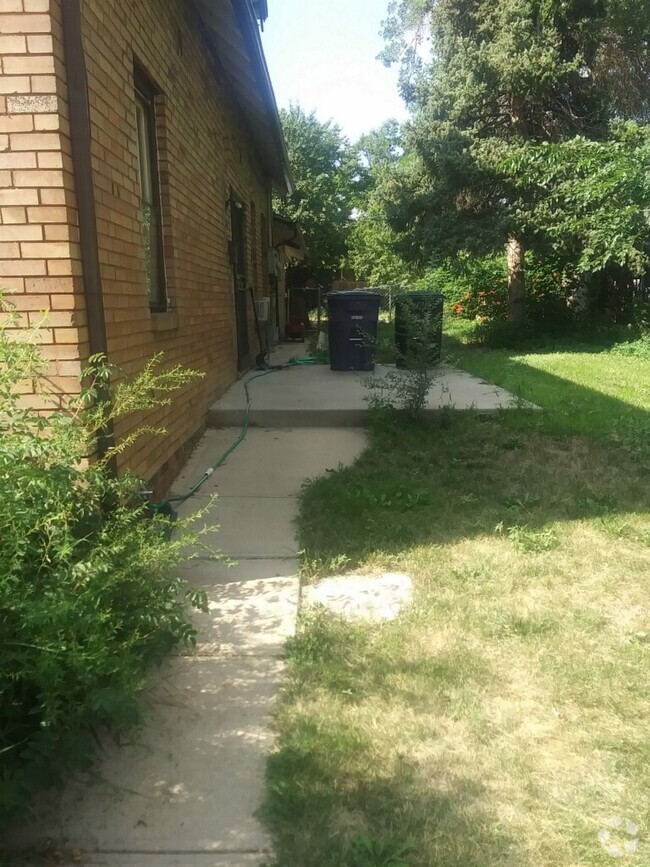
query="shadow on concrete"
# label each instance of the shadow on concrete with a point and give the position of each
(191, 779)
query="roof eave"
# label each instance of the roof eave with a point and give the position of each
(248, 22)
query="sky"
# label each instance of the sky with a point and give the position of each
(322, 55)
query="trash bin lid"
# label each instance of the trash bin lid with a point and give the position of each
(423, 294)
(352, 293)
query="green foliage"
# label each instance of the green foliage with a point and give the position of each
(325, 173)
(478, 290)
(372, 242)
(368, 852)
(406, 389)
(87, 596)
(505, 77)
(587, 198)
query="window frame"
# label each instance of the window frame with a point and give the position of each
(145, 96)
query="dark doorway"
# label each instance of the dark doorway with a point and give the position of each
(238, 259)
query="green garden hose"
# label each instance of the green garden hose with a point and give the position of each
(166, 507)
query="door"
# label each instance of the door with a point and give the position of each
(238, 259)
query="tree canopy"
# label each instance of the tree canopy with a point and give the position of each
(502, 76)
(372, 241)
(325, 176)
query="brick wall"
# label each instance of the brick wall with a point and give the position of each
(203, 154)
(39, 253)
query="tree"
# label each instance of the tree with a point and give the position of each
(503, 74)
(589, 199)
(371, 243)
(324, 174)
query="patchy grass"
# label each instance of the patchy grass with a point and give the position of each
(502, 718)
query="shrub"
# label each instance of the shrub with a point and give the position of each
(407, 389)
(87, 596)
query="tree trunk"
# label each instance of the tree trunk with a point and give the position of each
(516, 279)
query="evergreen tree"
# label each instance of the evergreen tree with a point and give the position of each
(503, 74)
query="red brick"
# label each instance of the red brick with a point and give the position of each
(64, 352)
(68, 368)
(54, 285)
(63, 267)
(59, 319)
(13, 285)
(66, 335)
(31, 302)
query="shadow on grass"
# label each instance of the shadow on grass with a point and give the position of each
(587, 455)
(344, 771)
(329, 790)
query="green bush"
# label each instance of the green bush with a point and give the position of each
(87, 596)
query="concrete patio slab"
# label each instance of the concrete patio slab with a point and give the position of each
(193, 780)
(315, 396)
(268, 463)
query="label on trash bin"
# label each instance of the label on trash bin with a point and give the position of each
(356, 317)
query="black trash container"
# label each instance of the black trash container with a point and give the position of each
(418, 318)
(353, 319)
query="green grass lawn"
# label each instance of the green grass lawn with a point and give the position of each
(503, 718)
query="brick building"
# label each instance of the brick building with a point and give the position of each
(139, 145)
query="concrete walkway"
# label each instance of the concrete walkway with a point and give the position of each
(184, 794)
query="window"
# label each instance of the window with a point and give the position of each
(151, 215)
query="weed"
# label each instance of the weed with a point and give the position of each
(529, 541)
(366, 852)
